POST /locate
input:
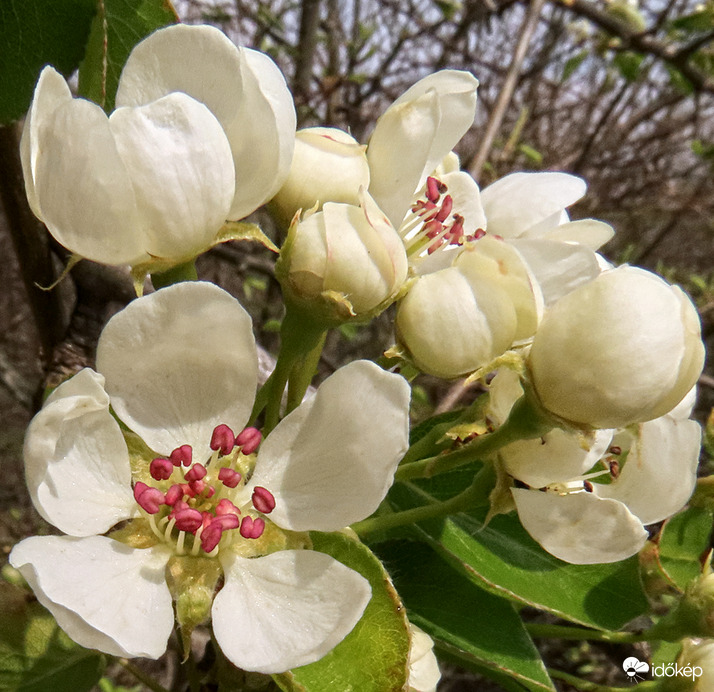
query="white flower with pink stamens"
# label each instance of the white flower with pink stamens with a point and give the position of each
(179, 369)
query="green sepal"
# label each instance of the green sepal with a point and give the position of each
(374, 656)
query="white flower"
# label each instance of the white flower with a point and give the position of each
(424, 673)
(328, 165)
(623, 348)
(203, 131)
(699, 653)
(594, 508)
(349, 255)
(179, 368)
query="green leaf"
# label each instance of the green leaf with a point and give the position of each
(629, 64)
(373, 657)
(35, 654)
(683, 541)
(573, 63)
(467, 621)
(501, 557)
(35, 33)
(117, 27)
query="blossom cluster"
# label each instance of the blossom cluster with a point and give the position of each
(174, 504)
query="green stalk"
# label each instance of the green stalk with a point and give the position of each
(580, 633)
(181, 272)
(302, 373)
(476, 493)
(141, 676)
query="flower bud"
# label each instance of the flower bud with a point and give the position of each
(328, 166)
(454, 323)
(623, 348)
(343, 261)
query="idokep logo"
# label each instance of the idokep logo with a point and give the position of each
(634, 668)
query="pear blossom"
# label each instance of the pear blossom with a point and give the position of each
(179, 369)
(328, 165)
(344, 261)
(600, 490)
(424, 673)
(196, 120)
(699, 655)
(623, 348)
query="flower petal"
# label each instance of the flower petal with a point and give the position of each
(104, 594)
(581, 528)
(520, 200)
(285, 610)
(661, 469)
(424, 673)
(331, 461)
(588, 232)
(181, 168)
(51, 92)
(76, 460)
(179, 362)
(83, 188)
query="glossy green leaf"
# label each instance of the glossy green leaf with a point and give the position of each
(467, 621)
(35, 33)
(501, 557)
(35, 655)
(117, 27)
(682, 543)
(373, 657)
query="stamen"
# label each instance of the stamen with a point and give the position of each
(446, 207)
(182, 455)
(250, 528)
(195, 473)
(223, 439)
(188, 519)
(211, 536)
(263, 500)
(174, 494)
(148, 498)
(432, 189)
(225, 506)
(249, 439)
(229, 477)
(161, 469)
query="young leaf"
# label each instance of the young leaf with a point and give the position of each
(374, 656)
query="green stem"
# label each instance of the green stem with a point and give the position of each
(585, 686)
(141, 676)
(299, 337)
(302, 373)
(580, 633)
(525, 422)
(181, 272)
(477, 491)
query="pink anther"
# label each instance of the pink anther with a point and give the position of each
(433, 228)
(478, 234)
(174, 494)
(227, 521)
(263, 500)
(211, 536)
(252, 528)
(229, 477)
(182, 455)
(225, 506)
(223, 439)
(202, 488)
(195, 473)
(446, 207)
(148, 498)
(249, 439)
(432, 189)
(188, 520)
(161, 469)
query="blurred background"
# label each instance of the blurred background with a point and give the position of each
(620, 93)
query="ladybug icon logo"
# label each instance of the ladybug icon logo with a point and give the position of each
(634, 668)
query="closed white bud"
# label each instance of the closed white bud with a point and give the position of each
(621, 349)
(328, 166)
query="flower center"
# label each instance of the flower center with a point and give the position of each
(432, 223)
(197, 499)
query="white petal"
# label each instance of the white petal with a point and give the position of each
(559, 267)
(589, 232)
(398, 153)
(331, 461)
(466, 196)
(76, 460)
(261, 133)
(661, 469)
(285, 610)
(51, 91)
(83, 188)
(179, 362)
(520, 200)
(557, 457)
(505, 389)
(424, 673)
(181, 168)
(581, 528)
(104, 594)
